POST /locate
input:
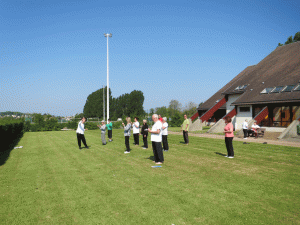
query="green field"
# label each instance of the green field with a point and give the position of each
(50, 181)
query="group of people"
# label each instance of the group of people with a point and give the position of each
(159, 134)
(254, 129)
(80, 132)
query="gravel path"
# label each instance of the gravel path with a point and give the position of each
(288, 142)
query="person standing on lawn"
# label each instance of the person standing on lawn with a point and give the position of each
(109, 130)
(228, 130)
(136, 131)
(80, 133)
(156, 140)
(127, 133)
(165, 134)
(185, 128)
(103, 129)
(245, 129)
(144, 132)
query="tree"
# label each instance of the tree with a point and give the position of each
(190, 109)
(297, 36)
(163, 111)
(124, 105)
(289, 40)
(135, 103)
(94, 103)
(176, 120)
(174, 106)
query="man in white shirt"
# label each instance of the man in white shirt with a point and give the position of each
(136, 131)
(165, 134)
(156, 140)
(245, 129)
(80, 133)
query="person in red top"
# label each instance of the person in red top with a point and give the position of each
(160, 118)
(228, 130)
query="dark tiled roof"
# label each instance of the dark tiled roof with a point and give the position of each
(280, 68)
(231, 85)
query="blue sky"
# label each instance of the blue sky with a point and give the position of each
(53, 53)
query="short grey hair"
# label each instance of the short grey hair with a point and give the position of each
(155, 116)
(165, 118)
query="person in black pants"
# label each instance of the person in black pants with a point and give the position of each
(228, 131)
(136, 130)
(156, 140)
(165, 134)
(127, 132)
(144, 132)
(80, 133)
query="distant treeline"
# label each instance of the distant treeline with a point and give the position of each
(9, 113)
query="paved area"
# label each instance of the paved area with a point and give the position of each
(289, 142)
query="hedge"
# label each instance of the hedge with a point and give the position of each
(11, 130)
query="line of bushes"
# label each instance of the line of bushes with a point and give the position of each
(53, 125)
(11, 130)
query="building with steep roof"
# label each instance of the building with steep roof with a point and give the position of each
(268, 92)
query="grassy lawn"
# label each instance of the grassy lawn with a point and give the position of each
(50, 181)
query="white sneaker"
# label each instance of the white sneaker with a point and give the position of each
(126, 152)
(226, 155)
(230, 157)
(144, 148)
(245, 138)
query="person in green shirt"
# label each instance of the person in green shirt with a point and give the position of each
(185, 128)
(109, 130)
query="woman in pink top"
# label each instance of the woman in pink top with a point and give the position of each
(228, 130)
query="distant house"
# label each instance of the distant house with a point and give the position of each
(268, 92)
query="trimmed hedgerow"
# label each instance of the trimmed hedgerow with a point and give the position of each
(10, 130)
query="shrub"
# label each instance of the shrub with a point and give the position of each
(90, 126)
(117, 125)
(11, 130)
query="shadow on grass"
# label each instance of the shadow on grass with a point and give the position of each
(151, 158)
(218, 153)
(5, 150)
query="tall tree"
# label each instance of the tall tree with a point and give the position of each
(94, 103)
(124, 105)
(174, 106)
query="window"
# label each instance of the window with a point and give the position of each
(244, 109)
(277, 89)
(288, 88)
(241, 87)
(267, 90)
(297, 88)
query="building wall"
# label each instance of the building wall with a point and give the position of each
(231, 99)
(241, 116)
(229, 107)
